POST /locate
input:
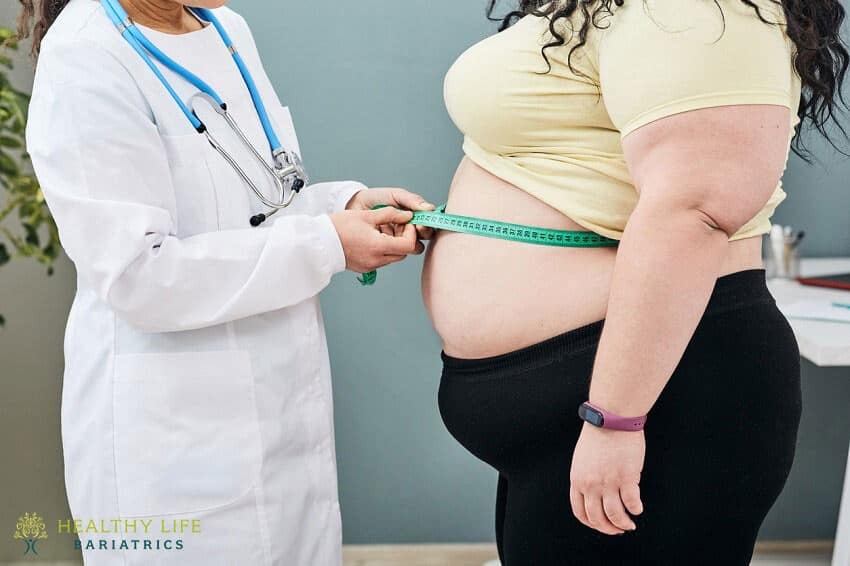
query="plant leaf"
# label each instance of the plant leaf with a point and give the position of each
(27, 228)
(12, 142)
(8, 166)
(32, 235)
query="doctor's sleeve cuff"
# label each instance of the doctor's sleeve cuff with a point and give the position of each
(343, 193)
(331, 244)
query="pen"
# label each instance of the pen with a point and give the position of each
(787, 240)
(841, 305)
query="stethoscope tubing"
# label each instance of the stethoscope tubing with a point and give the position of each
(291, 164)
(124, 26)
(283, 203)
(274, 142)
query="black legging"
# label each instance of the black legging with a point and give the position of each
(720, 440)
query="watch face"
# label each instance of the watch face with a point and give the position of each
(591, 415)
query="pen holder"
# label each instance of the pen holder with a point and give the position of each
(784, 264)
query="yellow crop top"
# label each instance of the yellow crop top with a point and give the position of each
(551, 135)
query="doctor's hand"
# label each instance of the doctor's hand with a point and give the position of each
(366, 247)
(398, 198)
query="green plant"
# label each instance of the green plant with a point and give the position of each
(26, 227)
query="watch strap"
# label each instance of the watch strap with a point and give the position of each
(610, 421)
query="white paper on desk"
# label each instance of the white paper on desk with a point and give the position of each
(812, 309)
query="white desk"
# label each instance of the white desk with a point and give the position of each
(824, 344)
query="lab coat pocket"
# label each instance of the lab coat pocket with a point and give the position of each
(194, 190)
(187, 436)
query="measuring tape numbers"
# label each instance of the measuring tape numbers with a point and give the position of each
(440, 220)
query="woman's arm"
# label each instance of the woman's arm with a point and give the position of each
(701, 175)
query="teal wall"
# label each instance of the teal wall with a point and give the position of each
(364, 80)
(365, 84)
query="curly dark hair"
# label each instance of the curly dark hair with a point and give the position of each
(38, 15)
(814, 26)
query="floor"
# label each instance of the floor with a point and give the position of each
(482, 555)
(796, 560)
(794, 554)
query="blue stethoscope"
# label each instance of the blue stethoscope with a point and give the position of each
(288, 173)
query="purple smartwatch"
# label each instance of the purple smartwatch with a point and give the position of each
(601, 418)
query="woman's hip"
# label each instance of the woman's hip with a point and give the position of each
(737, 380)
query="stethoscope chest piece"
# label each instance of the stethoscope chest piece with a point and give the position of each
(288, 173)
(290, 169)
(286, 170)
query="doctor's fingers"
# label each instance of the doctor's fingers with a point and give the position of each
(422, 233)
(425, 232)
(389, 215)
(409, 230)
(397, 229)
(410, 201)
(405, 244)
(393, 229)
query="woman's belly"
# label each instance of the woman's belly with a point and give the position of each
(488, 297)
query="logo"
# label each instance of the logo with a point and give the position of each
(109, 534)
(30, 529)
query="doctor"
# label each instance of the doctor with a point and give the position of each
(197, 384)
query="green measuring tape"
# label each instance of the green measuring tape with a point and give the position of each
(440, 220)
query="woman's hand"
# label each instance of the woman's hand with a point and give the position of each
(397, 198)
(366, 247)
(605, 478)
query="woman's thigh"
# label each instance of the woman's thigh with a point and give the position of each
(721, 439)
(720, 442)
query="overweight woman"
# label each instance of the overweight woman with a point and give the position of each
(664, 125)
(197, 423)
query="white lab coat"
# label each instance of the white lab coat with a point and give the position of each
(197, 382)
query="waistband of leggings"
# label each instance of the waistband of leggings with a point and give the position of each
(732, 291)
